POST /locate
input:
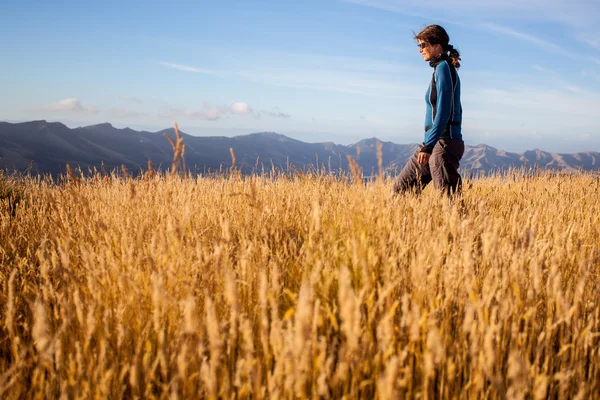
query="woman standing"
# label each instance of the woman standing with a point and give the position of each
(438, 157)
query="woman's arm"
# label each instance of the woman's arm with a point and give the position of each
(443, 84)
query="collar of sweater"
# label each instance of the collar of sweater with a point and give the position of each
(435, 62)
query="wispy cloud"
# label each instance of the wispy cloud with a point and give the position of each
(130, 99)
(384, 84)
(541, 69)
(581, 18)
(322, 72)
(541, 43)
(211, 112)
(70, 105)
(275, 114)
(574, 88)
(208, 112)
(126, 113)
(590, 74)
(559, 80)
(391, 5)
(591, 39)
(532, 103)
(187, 68)
(583, 13)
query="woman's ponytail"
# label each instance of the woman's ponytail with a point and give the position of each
(454, 56)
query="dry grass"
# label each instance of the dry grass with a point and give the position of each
(308, 286)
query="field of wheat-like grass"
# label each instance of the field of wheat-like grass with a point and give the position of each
(299, 287)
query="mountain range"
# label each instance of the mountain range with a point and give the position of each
(47, 147)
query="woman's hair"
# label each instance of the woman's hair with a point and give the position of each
(435, 34)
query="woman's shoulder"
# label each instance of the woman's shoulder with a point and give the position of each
(443, 65)
(443, 69)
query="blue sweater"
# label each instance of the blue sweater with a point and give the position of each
(442, 104)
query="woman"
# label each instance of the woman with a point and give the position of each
(438, 157)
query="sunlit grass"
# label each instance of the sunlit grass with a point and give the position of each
(305, 286)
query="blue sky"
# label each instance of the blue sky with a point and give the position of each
(327, 70)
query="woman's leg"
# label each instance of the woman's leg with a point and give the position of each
(444, 163)
(413, 176)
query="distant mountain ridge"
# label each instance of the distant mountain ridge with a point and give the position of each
(52, 145)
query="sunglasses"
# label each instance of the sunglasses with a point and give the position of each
(422, 45)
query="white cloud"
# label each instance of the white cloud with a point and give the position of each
(241, 108)
(211, 112)
(208, 112)
(71, 105)
(187, 68)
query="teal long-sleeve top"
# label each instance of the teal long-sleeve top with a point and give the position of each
(443, 112)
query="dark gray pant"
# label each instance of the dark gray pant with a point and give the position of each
(442, 169)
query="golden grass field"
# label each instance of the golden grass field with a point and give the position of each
(300, 287)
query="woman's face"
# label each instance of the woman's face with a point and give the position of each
(429, 51)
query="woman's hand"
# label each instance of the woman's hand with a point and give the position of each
(423, 158)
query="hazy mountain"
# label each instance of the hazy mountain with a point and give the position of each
(51, 145)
